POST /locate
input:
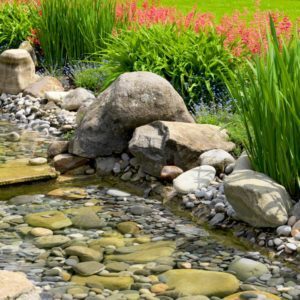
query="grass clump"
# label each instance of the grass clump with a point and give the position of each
(268, 101)
(89, 78)
(194, 63)
(69, 30)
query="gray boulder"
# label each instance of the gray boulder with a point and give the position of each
(134, 99)
(257, 199)
(74, 99)
(175, 143)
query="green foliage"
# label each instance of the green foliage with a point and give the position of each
(90, 78)
(15, 24)
(193, 63)
(232, 122)
(69, 30)
(268, 100)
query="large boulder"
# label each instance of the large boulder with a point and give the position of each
(257, 199)
(134, 99)
(17, 71)
(175, 143)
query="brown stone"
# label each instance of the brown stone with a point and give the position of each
(43, 85)
(159, 288)
(296, 228)
(170, 172)
(58, 147)
(17, 71)
(67, 162)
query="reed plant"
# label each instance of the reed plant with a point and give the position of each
(268, 100)
(69, 30)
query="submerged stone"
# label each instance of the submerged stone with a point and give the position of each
(256, 294)
(72, 193)
(51, 241)
(199, 282)
(48, 219)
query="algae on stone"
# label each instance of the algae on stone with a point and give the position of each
(69, 193)
(199, 282)
(239, 296)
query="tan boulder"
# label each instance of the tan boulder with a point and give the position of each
(43, 85)
(17, 71)
(160, 143)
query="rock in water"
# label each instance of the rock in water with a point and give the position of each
(134, 99)
(252, 295)
(160, 143)
(17, 71)
(66, 162)
(194, 179)
(257, 199)
(198, 282)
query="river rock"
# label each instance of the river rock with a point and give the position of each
(66, 162)
(257, 199)
(105, 165)
(128, 227)
(23, 199)
(48, 219)
(88, 220)
(57, 147)
(217, 158)
(108, 241)
(133, 100)
(17, 71)
(160, 143)
(40, 231)
(88, 268)
(56, 96)
(75, 98)
(37, 161)
(198, 282)
(69, 193)
(51, 241)
(252, 295)
(243, 163)
(111, 283)
(245, 268)
(169, 173)
(296, 229)
(194, 179)
(84, 253)
(14, 284)
(43, 85)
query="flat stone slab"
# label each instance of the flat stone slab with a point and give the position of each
(19, 171)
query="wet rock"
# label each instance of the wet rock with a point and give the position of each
(11, 136)
(66, 162)
(51, 241)
(75, 98)
(71, 193)
(161, 143)
(257, 199)
(17, 71)
(88, 268)
(284, 230)
(43, 85)
(128, 227)
(245, 268)
(87, 220)
(198, 282)
(57, 147)
(108, 241)
(112, 283)
(117, 193)
(39, 231)
(48, 219)
(217, 158)
(37, 161)
(194, 179)
(24, 199)
(134, 99)
(252, 295)
(169, 173)
(105, 165)
(84, 253)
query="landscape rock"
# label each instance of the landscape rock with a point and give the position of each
(257, 199)
(87, 220)
(57, 147)
(40, 231)
(84, 253)
(161, 143)
(51, 241)
(17, 71)
(66, 162)
(194, 179)
(245, 268)
(56, 97)
(75, 98)
(243, 163)
(133, 100)
(128, 227)
(199, 282)
(43, 85)
(13, 285)
(217, 158)
(48, 219)
(88, 268)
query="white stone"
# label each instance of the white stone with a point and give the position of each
(194, 179)
(37, 161)
(56, 96)
(117, 193)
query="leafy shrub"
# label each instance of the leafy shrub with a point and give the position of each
(89, 78)
(69, 30)
(194, 63)
(16, 23)
(269, 103)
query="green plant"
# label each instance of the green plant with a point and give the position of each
(193, 63)
(69, 30)
(89, 78)
(15, 24)
(268, 100)
(232, 122)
